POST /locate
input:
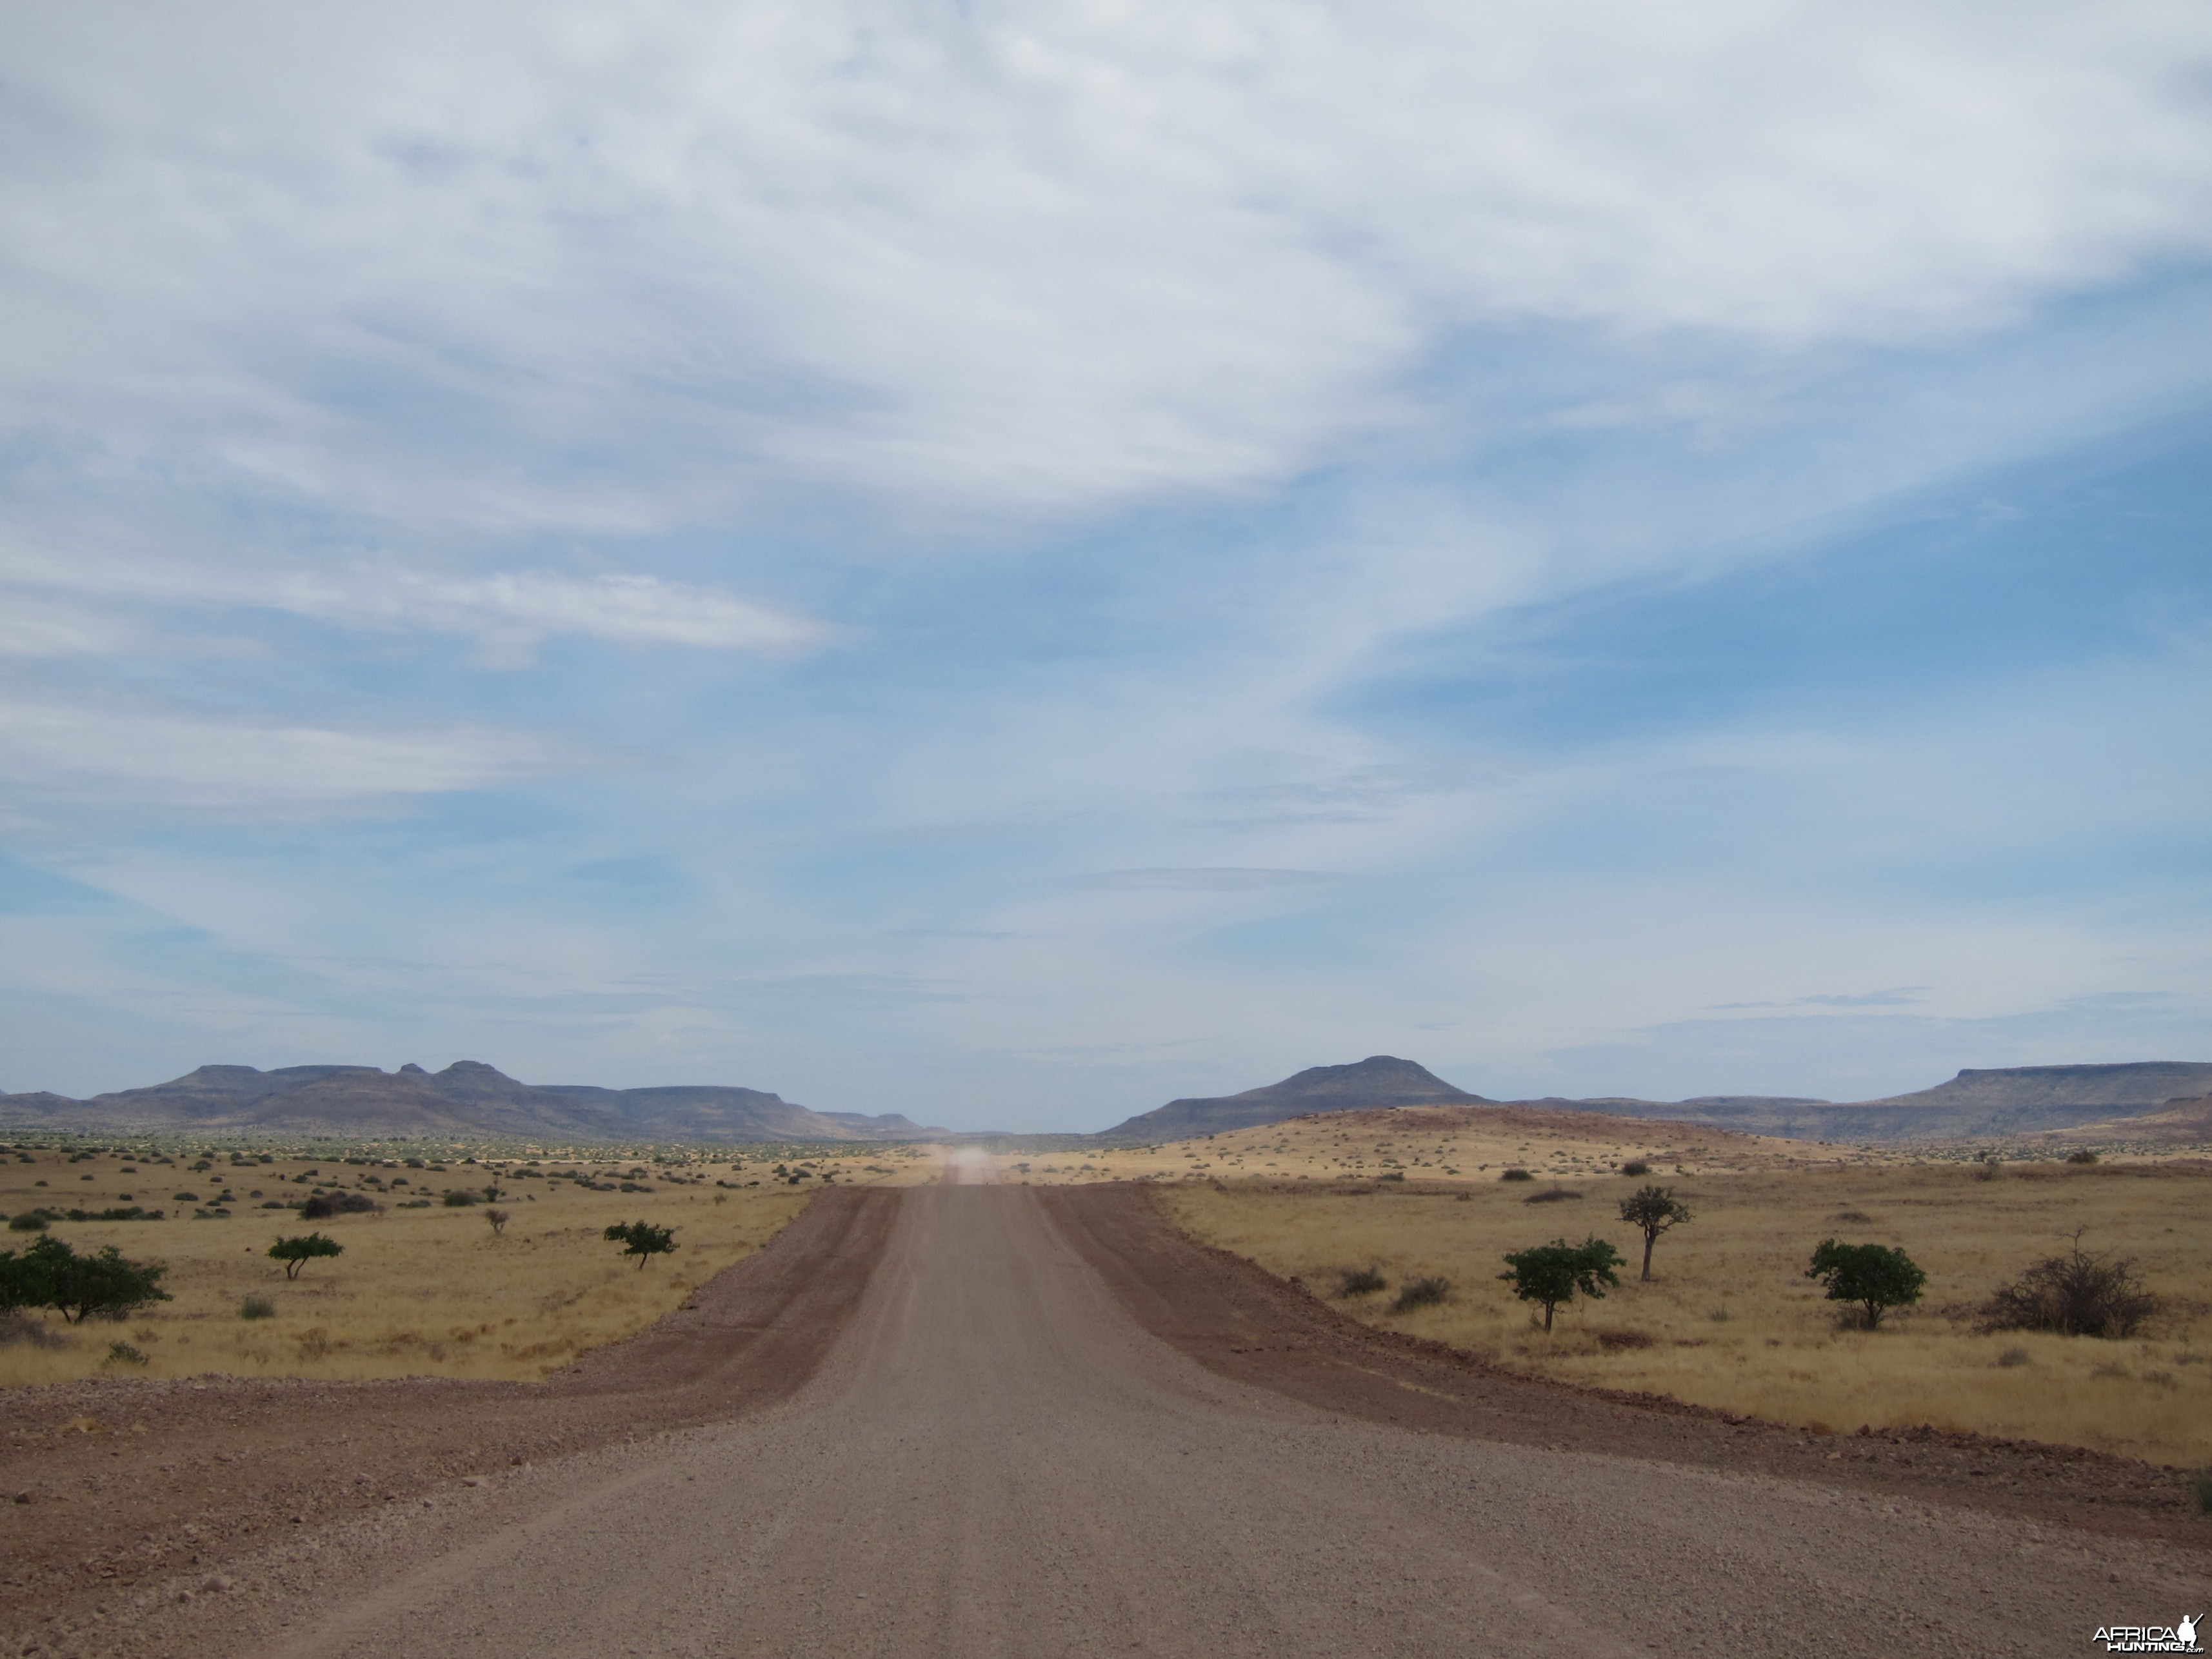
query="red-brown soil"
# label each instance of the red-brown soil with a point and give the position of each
(166, 1475)
(1242, 1322)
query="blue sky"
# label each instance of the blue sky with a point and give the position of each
(1007, 563)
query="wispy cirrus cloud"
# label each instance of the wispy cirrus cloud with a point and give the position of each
(52, 752)
(91, 609)
(1897, 996)
(1202, 879)
(1193, 408)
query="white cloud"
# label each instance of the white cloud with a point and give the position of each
(1203, 878)
(34, 626)
(509, 610)
(53, 750)
(1010, 255)
(524, 605)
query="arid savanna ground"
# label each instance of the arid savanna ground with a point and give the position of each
(424, 1287)
(1730, 1320)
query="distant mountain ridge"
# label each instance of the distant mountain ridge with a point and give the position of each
(2002, 1101)
(2010, 1101)
(1378, 1080)
(467, 1098)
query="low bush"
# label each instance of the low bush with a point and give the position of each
(257, 1307)
(15, 1326)
(323, 1206)
(2077, 1294)
(1516, 1175)
(1636, 1166)
(2013, 1356)
(1360, 1281)
(1551, 1195)
(2081, 1155)
(460, 1199)
(30, 1221)
(2201, 1484)
(1421, 1293)
(125, 1353)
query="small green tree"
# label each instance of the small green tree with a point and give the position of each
(297, 1253)
(1655, 1210)
(1551, 1273)
(24, 1282)
(643, 1240)
(1876, 1276)
(51, 1274)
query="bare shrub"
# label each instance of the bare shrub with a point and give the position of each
(1516, 1175)
(1360, 1281)
(2077, 1294)
(257, 1307)
(16, 1326)
(1551, 1195)
(498, 1218)
(1421, 1293)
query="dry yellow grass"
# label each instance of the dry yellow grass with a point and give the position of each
(418, 1290)
(1731, 1321)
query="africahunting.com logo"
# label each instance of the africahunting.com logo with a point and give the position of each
(2150, 1638)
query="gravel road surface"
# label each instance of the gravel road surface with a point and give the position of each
(996, 1458)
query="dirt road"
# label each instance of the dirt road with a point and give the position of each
(995, 1457)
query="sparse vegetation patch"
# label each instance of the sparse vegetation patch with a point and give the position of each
(2077, 1294)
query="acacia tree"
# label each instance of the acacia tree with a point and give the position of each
(50, 1274)
(296, 1253)
(1551, 1274)
(643, 1240)
(1876, 1276)
(1655, 1210)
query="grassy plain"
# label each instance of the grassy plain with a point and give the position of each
(1730, 1320)
(423, 1288)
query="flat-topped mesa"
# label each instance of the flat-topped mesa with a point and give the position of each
(1378, 1080)
(467, 1098)
(1975, 1104)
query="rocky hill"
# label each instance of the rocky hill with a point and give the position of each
(1975, 1104)
(1378, 1080)
(2012, 1101)
(467, 1098)
(2177, 1123)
